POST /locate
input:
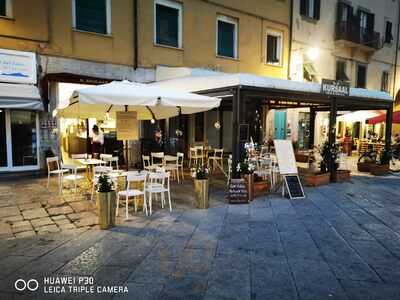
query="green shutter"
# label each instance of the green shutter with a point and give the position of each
(167, 26)
(91, 16)
(361, 76)
(226, 39)
(303, 7)
(317, 9)
(3, 11)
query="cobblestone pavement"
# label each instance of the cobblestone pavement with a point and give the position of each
(28, 208)
(341, 242)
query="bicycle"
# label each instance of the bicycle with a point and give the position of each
(395, 158)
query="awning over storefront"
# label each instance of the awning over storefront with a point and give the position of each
(148, 101)
(20, 96)
(358, 116)
(381, 118)
(224, 80)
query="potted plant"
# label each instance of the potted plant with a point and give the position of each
(106, 196)
(201, 186)
(382, 168)
(260, 186)
(246, 170)
(323, 176)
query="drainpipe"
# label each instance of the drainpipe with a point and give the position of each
(396, 54)
(135, 35)
(290, 38)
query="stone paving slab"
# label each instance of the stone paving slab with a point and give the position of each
(338, 243)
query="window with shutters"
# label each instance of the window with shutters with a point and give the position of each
(341, 73)
(388, 32)
(274, 48)
(227, 28)
(361, 80)
(92, 16)
(310, 8)
(168, 23)
(5, 8)
(385, 81)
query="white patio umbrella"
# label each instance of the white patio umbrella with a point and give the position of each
(148, 101)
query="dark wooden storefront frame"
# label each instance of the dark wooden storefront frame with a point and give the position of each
(285, 99)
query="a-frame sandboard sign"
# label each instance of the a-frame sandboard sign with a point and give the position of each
(288, 169)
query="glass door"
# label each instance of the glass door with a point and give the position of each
(19, 140)
(24, 138)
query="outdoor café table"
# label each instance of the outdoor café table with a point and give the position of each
(89, 163)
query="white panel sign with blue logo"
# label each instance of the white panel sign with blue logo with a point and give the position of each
(17, 66)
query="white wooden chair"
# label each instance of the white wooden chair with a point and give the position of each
(147, 163)
(73, 174)
(104, 158)
(157, 158)
(265, 168)
(111, 160)
(229, 175)
(53, 168)
(130, 192)
(171, 165)
(181, 157)
(97, 171)
(81, 156)
(217, 160)
(196, 155)
(264, 151)
(159, 184)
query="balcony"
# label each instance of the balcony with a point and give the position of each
(352, 35)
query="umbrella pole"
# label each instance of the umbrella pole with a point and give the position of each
(126, 147)
(88, 150)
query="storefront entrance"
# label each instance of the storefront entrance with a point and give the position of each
(19, 141)
(280, 125)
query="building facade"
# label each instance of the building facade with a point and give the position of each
(93, 42)
(354, 41)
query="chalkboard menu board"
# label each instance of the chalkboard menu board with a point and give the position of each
(237, 191)
(294, 186)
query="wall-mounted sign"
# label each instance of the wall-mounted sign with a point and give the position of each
(48, 123)
(17, 66)
(127, 125)
(335, 87)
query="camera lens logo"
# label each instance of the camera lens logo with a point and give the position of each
(21, 285)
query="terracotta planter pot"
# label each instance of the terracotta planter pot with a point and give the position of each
(343, 175)
(317, 179)
(379, 170)
(260, 188)
(302, 158)
(364, 166)
(249, 178)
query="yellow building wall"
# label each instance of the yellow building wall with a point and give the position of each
(199, 37)
(45, 27)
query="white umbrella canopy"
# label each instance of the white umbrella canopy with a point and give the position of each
(148, 101)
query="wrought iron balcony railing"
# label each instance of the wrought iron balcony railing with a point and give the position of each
(352, 32)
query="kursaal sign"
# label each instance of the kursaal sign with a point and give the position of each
(335, 87)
